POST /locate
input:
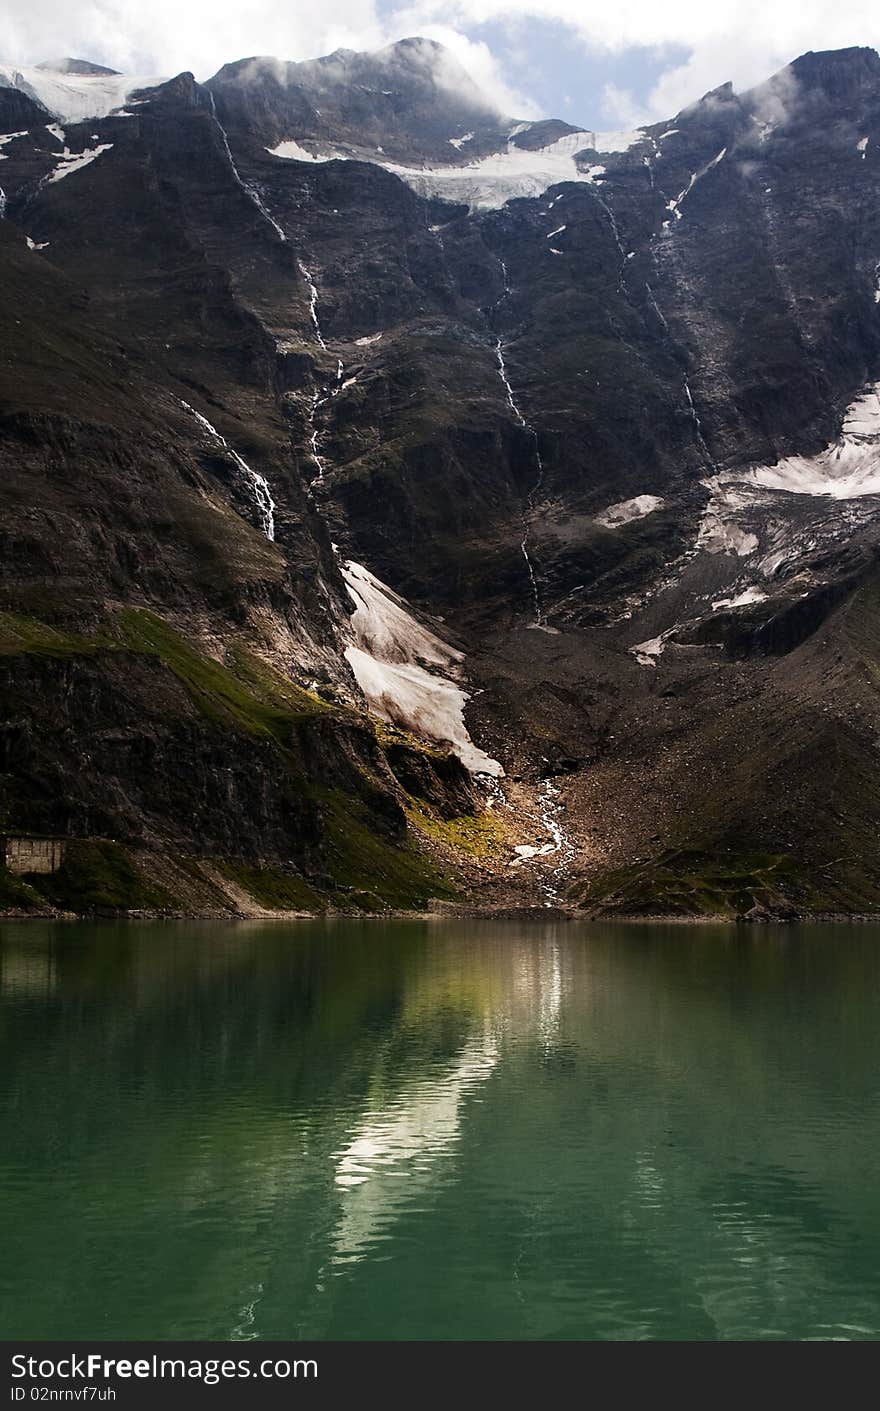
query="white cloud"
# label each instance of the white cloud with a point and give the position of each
(479, 61)
(742, 40)
(165, 36)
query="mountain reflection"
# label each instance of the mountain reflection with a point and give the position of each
(438, 1129)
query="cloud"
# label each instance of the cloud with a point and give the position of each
(741, 40)
(477, 59)
(165, 36)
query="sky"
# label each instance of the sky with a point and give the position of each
(612, 64)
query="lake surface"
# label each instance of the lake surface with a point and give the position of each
(439, 1130)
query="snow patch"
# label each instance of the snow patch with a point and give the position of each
(741, 600)
(293, 152)
(862, 147)
(390, 655)
(627, 510)
(70, 162)
(648, 653)
(527, 851)
(458, 142)
(9, 137)
(365, 342)
(674, 206)
(719, 531)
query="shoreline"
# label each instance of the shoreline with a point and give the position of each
(532, 915)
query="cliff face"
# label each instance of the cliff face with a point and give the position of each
(604, 403)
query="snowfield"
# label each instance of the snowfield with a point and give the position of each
(389, 656)
(846, 470)
(779, 517)
(75, 97)
(488, 183)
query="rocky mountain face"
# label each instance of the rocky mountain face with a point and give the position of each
(401, 500)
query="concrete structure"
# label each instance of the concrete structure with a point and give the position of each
(33, 854)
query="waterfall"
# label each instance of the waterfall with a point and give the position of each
(656, 308)
(264, 505)
(317, 400)
(564, 850)
(313, 303)
(319, 396)
(532, 495)
(502, 373)
(250, 191)
(389, 651)
(698, 425)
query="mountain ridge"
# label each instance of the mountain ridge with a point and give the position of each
(601, 409)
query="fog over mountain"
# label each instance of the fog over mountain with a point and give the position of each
(409, 501)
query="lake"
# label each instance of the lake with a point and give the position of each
(439, 1129)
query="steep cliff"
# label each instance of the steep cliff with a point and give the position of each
(600, 409)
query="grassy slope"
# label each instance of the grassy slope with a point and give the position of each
(364, 868)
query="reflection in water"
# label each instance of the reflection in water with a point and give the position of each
(420, 1121)
(415, 1129)
(408, 1136)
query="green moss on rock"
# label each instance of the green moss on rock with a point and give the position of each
(98, 876)
(273, 887)
(360, 860)
(16, 894)
(481, 836)
(251, 694)
(688, 882)
(20, 634)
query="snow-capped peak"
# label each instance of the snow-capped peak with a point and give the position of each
(73, 90)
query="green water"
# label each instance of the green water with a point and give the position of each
(439, 1130)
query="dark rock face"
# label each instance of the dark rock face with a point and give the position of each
(82, 67)
(410, 98)
(602, 410)
(18, 112)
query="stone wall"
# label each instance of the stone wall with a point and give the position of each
(34, 854)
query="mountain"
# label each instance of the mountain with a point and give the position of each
(73, 89)
(403, 500)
